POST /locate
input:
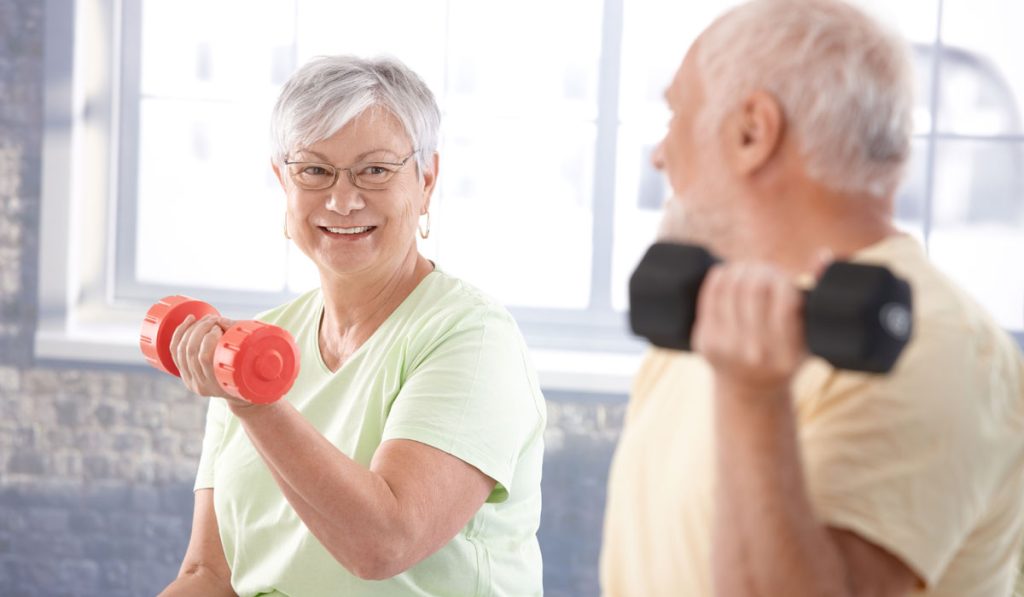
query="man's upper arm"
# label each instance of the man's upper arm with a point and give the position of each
(906, 462)
(870, 569)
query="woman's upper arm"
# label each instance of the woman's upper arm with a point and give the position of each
(439, 492)
(204, 565)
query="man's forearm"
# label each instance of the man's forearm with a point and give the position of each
(766, 535)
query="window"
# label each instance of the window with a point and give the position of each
(157, 177)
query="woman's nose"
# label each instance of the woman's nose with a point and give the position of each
(345, 197)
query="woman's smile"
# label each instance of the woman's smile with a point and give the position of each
(349, 234)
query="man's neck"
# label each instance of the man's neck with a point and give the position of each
(793, 233)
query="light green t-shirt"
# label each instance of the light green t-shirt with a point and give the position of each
(448, 368)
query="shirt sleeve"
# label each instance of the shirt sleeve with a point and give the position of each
(909, 461)
(215, 417)
(474, 396)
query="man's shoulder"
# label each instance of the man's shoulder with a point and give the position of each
(946, 316)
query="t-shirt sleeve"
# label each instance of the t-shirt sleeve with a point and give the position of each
(215, 417)
(474, 396)
(908, 461)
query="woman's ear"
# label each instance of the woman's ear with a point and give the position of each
(753, 135)
(278, 174)
(430, 182)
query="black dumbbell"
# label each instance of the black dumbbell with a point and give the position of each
(858, 317)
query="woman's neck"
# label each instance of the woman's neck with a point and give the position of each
(356, 305)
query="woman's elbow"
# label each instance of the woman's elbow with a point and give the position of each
(380, 563)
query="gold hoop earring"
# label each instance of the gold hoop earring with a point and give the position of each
(286, 235)
(424, 233)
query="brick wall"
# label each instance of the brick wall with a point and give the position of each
(96, 464)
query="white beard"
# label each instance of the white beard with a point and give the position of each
(700, 217)
(674, 221)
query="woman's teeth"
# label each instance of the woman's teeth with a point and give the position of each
(357, 230)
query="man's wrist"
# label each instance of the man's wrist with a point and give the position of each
(732, 389)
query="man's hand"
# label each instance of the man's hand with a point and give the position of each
(750, 327)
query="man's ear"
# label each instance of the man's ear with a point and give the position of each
(754, 132)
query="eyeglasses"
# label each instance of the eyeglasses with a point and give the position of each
(369, 175)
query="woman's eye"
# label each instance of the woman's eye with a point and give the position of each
(375, 171)
(315, 171)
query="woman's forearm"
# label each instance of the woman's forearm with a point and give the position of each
(350, 509)
(199, 581)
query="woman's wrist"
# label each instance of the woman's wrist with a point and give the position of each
(249, 411)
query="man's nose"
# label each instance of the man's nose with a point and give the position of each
(658, 156)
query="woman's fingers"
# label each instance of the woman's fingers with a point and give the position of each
(207, 348)
(177, 354)
(186, 347)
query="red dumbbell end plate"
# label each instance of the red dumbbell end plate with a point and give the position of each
(159, 324)
(256, 361)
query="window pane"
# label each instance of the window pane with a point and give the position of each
(977, 233)
(909, 212)
(640, 192)
(515, 214)
(215, 56)
(655, 37)
(982, 73)
(210, 212)
(410, 30)
(511, 58)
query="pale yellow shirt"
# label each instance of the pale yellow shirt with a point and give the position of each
(926, 462)
(448, 368)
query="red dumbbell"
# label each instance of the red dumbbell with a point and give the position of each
(254, 361)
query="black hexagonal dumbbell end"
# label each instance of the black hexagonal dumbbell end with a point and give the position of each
(663, 293)
(859, 317)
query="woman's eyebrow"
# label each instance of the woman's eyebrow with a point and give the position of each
(359, 157)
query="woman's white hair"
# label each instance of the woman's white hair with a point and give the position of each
(843, 80)
(329, 91)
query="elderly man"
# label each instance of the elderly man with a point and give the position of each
(748, 468)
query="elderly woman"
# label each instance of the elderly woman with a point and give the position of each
(406, 459)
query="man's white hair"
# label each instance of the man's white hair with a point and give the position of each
(329, 91)
(843, 80)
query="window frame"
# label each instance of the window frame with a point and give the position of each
(89, 302)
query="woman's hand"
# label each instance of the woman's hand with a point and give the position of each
(192, 348)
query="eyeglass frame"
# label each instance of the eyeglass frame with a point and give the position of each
(352, 177)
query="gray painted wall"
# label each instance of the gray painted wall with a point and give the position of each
(96, 464)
